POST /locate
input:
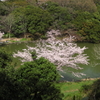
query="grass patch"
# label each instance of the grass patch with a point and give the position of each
(71, 89)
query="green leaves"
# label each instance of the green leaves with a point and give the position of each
(31, 19)
(39, 77)
(5, 58)
(92, 91)
(88, 26)
(59, 14)
(38, 20)
(33, 80)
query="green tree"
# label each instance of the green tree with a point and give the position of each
(6, 76)
(80, 18)
(33, 20)
(5, 59)
(91, 31)
(60, 15)
(38, 21)
(8, 22)
(39, 79)
(20, 26)
(3, 11)
(87, 25)
(34, 80)
(92, 91)
(95, 91)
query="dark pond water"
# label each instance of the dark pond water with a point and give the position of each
(92, 70)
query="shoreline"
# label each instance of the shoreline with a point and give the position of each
(85, 79)
(14, 40)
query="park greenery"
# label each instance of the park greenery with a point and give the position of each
(38, 78)
(18, 17)
(35, 80)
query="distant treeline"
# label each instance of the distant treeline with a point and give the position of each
(18, 17)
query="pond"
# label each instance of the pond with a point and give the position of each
(92, 70)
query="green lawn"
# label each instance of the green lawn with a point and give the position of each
(71, 89)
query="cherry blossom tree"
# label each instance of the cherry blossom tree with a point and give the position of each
(61, 53)
(1, 35)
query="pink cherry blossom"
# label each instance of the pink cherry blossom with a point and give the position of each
(61, 53)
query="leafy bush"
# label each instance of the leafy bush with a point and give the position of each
(34, 80)
(85, 88)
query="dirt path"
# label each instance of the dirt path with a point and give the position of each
(9, 39)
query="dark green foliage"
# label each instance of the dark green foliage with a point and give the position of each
(33, 20)
(60, 14)
(5, 58)
(4, 82)
(20, 26)
(85, 88)
(34, 80)
(92, 91)
(97, 2)
(81, 16)
(34, 56)
(38, 20)
(91, 31)
(3, 11)
(88, 26)
(7, 88)
(10, 88)
(39, 78)
(95, 91)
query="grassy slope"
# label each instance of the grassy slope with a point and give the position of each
(69, 89)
